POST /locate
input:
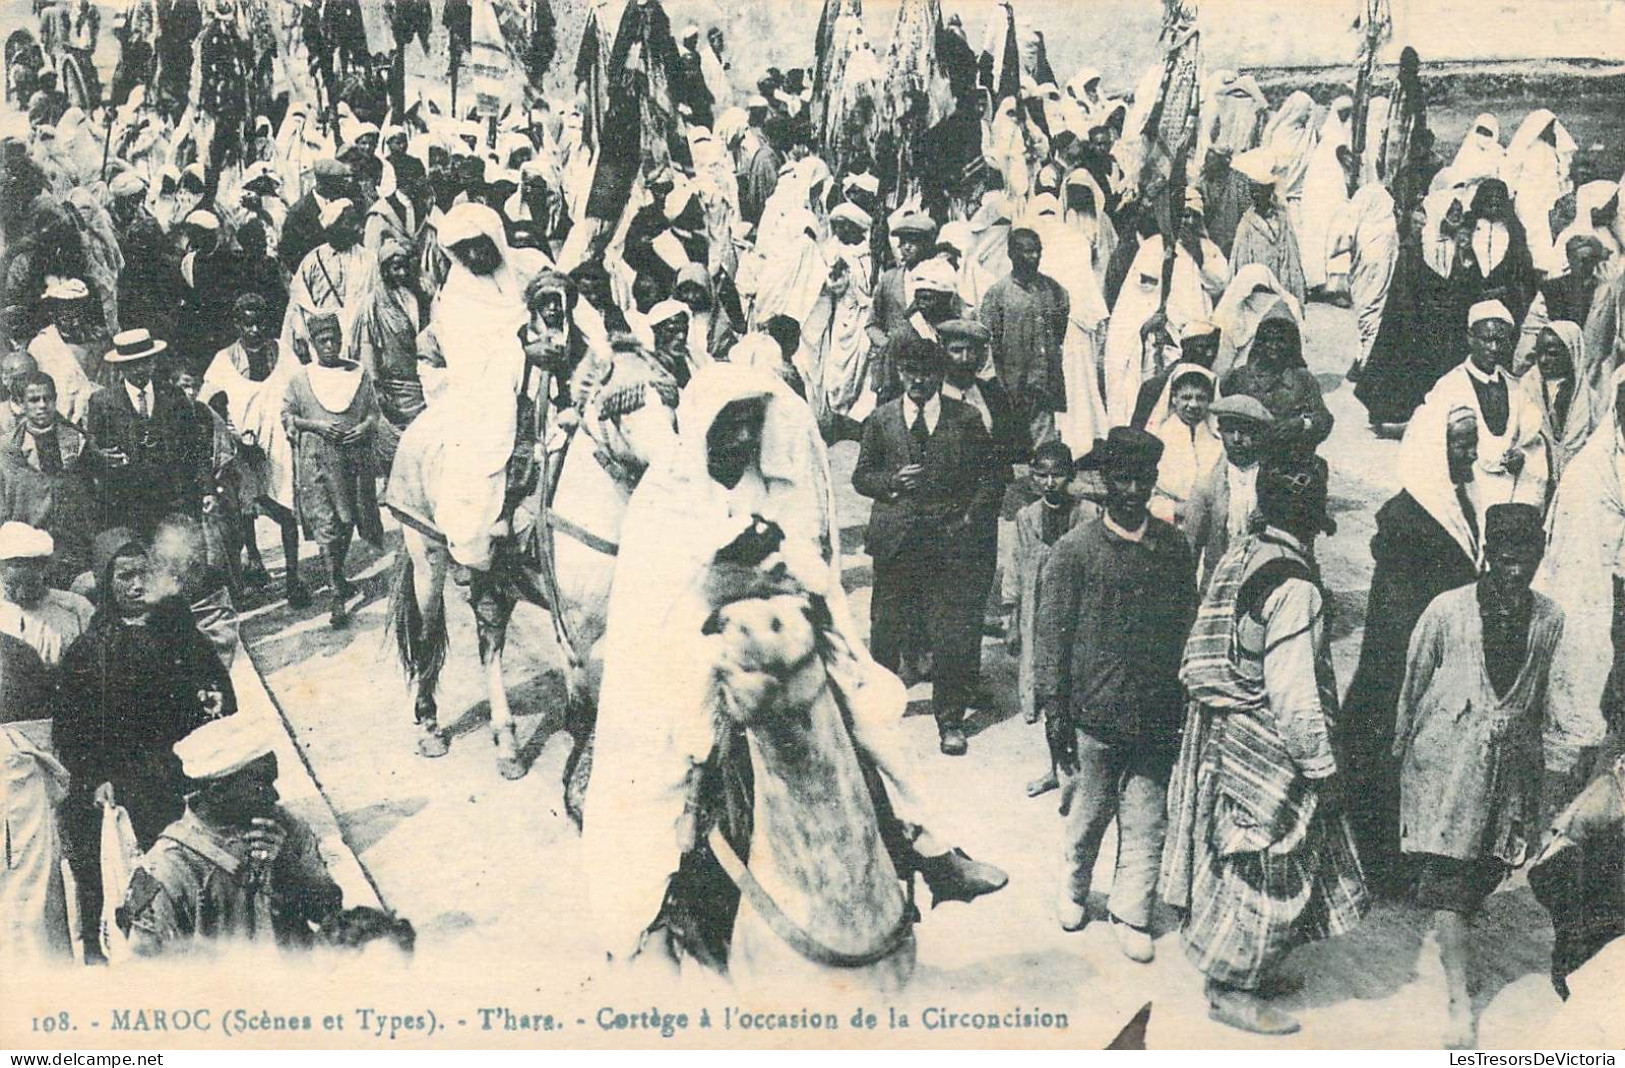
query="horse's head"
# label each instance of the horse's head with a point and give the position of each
(628, 407)
(769, 669)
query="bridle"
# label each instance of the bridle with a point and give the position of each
(600, 405)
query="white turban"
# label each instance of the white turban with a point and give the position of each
(19, 541)
(58, 288)
(934, 274)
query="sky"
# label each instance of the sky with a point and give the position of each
(1120, 36)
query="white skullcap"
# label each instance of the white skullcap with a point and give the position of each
(222, 746)
(58, 288)
(666, 311)
(957, 235)
(756, 102)
(934, 274)
(127, 184)
(863, 183)
(19, 541)
(333, 210)
(1489, 309)
(849, 212)
(677, 201)
(203, 220)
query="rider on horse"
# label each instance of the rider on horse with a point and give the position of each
(749, 465)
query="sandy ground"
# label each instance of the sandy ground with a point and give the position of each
(488, 869)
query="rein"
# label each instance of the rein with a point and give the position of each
(786, 928)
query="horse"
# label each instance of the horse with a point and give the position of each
(623, 417)
(820, 900)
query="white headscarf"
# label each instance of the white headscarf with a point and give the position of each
(1424, 473)
(654, 717)
(1255, 294)
(793, 272)
(1290, 139)
(1479, 156)
(1584, 404)
(1124, 359)
(1584, 554)
(1537, 175)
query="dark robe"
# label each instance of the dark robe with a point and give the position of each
(1569, 298)
(179, 23)
(150, 284)
(1419, 339)
(1416, 560)
(126, 695)
(1226, 197)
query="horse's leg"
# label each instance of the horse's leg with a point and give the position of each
(493, 607)
(418, 615)
(580, 717)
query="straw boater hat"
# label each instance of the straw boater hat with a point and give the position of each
(131, 345)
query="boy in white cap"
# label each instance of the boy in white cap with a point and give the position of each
(237, 866)
(45, 619)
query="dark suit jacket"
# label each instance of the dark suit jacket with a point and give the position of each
(1012, 435)
(960, 490)
(165, 472)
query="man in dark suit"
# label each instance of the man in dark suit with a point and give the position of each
(139, 429)
(302, 230)
(927, 462)
(971, 381)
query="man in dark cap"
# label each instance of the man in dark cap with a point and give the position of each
(1270, 864)
(1119, 593)
(302, 230)
(927, 463)
(916, 236)
(1475, 790)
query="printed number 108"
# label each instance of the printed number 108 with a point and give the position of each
(48, 1024)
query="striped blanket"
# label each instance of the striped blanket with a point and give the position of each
(1249, 857)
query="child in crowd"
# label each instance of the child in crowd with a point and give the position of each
(1039, 526)
(330, 412)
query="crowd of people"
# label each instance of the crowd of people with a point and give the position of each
(1082, 413)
